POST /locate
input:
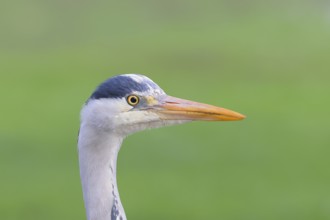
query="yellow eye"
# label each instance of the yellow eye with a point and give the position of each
(133, 100)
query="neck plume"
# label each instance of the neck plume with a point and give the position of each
(98, 151)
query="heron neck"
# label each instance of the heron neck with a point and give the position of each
(98, 151)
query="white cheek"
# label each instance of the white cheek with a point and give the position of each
(102, 113)
(133, 121)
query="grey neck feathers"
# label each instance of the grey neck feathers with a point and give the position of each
(98, 151)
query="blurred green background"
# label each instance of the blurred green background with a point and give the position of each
(269, 60)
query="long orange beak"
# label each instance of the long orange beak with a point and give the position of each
(172, 108)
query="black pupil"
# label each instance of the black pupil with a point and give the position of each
(133, 100)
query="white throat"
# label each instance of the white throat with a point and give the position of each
(98, 151)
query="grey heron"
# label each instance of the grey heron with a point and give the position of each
(120, 106)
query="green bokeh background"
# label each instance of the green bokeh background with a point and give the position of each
(269, 60)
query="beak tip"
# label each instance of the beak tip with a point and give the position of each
(241, 117)
(233, 116)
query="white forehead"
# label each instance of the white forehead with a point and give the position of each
(138, 78)
(153, 88)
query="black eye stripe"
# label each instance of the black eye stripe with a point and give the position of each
(121, 86)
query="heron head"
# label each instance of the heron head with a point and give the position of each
(129, 103)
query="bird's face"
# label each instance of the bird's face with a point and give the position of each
(129, 103)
